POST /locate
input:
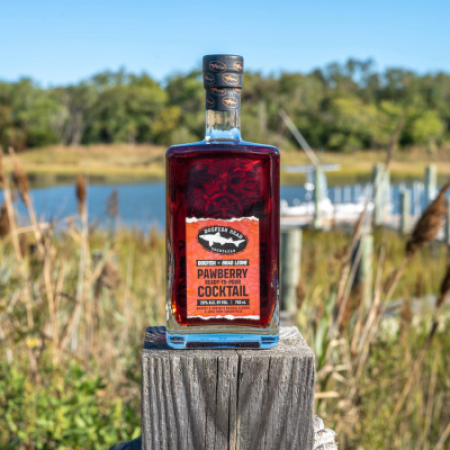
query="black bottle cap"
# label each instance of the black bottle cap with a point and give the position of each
(222, 79)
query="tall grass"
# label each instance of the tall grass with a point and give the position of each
(75, 301)
(74, 304)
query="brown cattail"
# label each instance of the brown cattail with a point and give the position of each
(153, 238)
(301, 292)
(429, 224)
(112, 204)
(109, 279)
(406, 314)
(406, 318)
(23, 244)
(351, 306)
(80, 189)
(21, 182)
(5, 226)
(445, 288)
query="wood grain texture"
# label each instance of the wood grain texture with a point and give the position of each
(324, 439)
(227, 399)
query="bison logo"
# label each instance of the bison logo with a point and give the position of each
(230, 102)
(209, 78)
(217, 66)
(230, 78)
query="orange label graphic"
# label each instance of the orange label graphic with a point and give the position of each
(222, 268)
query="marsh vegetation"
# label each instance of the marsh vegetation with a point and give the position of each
(75, 301)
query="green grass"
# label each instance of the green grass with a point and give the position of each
(123, 162)
(89, 396)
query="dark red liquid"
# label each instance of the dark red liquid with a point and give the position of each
(223, 181)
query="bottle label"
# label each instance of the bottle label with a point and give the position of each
(222, 265)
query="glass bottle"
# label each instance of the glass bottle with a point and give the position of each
(222, 227)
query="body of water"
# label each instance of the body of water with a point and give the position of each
(143, 204)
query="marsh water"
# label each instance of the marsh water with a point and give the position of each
(142, 204)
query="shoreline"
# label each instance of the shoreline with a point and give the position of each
(126, 163)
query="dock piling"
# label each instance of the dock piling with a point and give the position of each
(317, 198)
(291, 249)
(430, 183)
(405, 211)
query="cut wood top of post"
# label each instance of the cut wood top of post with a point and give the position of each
(291, 342)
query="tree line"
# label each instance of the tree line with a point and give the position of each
(342, 107)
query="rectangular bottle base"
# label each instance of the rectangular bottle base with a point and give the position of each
(221, 341)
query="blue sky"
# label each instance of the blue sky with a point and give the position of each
(63, 41)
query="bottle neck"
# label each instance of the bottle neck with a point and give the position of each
(223, 126)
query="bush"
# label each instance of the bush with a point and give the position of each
(61, 409)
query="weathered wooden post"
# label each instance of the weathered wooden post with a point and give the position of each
(417, 200)
(386, 191)
(357, 193)
(227, 399)
(377, 179)
(291, 250)
(347, 194)
(317, 197)
(382, 195)
(337, 195)
(405, 211)
(430, 183)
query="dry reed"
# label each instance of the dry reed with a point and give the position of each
(83, 294)
(348, 272)
(112, 204)
(429, 405)
(444, 291)
(16, 245)
(21, 183)
(425, 231)
(443, 438)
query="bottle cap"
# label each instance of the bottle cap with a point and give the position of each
(222, 79)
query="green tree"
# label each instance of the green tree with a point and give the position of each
(29, 116)
(340, 107)
(125, 109)
(427, 128)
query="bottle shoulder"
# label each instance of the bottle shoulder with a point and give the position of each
(240, 147)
